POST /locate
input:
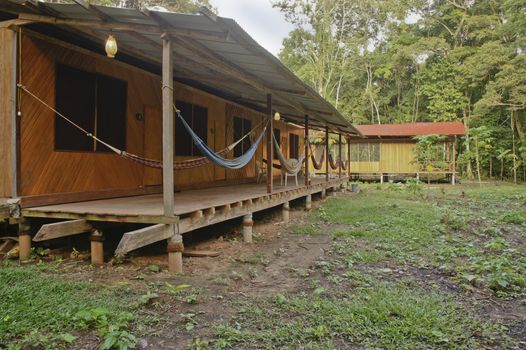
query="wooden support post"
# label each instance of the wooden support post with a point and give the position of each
(8, 111)
(97, 248)
(308, 202)
(323, 193)
(270, 155)
(168, 128)
(340, 155)
(381, 178)
(175, 253)
(348, 157)
(326, 154)
(24, 239)
(286, 212)
(248, 223)
(454, 162)
(306, 146)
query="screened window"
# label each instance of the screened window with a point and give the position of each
(197, 118)
(365, 152)
(277, 135)
(294, 146)
(96, 103)
(242, 127)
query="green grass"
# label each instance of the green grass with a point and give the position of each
(382, 315)
(359, 300)
(38, 309)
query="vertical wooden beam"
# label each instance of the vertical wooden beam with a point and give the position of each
(349, 157)
(306, 146)
(326, 154)
(454, 161)
(175, 243)
(168, 128)
(340, 155)
(270, 155)
(8, 112)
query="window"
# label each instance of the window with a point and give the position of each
(365, 152)
(242, 127)
(95, 102)
(197, 118)
(277, 135)
(294, 146)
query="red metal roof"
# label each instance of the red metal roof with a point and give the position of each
(412, 129)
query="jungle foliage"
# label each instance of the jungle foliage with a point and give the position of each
(421, 60)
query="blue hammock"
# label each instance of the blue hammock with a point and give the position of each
(236, 163)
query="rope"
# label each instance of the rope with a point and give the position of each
(187, 164)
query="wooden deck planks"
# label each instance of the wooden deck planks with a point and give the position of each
(149, 208)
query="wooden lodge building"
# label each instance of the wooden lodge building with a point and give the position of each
(388, 151)
(57, 181)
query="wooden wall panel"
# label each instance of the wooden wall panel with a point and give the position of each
(46, 171)
(365, 167)
(7, 143)
(397, 157)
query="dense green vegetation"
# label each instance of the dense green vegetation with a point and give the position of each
(393, 61)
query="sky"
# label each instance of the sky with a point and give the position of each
(257, 17)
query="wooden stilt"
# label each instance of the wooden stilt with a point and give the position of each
(247, 228)
(381, 178)
(97, 248)
(175, 254)
(323, 193)
(286, 212)
(308, 202)
(24, 239)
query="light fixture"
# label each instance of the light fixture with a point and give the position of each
(277, 116)
(111, 46)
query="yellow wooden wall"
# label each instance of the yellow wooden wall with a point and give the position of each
(46, 171)
(397, 157)
(394, 158)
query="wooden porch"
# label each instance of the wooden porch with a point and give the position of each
(193, 209)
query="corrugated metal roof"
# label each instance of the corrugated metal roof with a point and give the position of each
(412, 129)
(210, 51)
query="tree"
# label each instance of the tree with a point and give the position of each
(454, 60)
(181, 6)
